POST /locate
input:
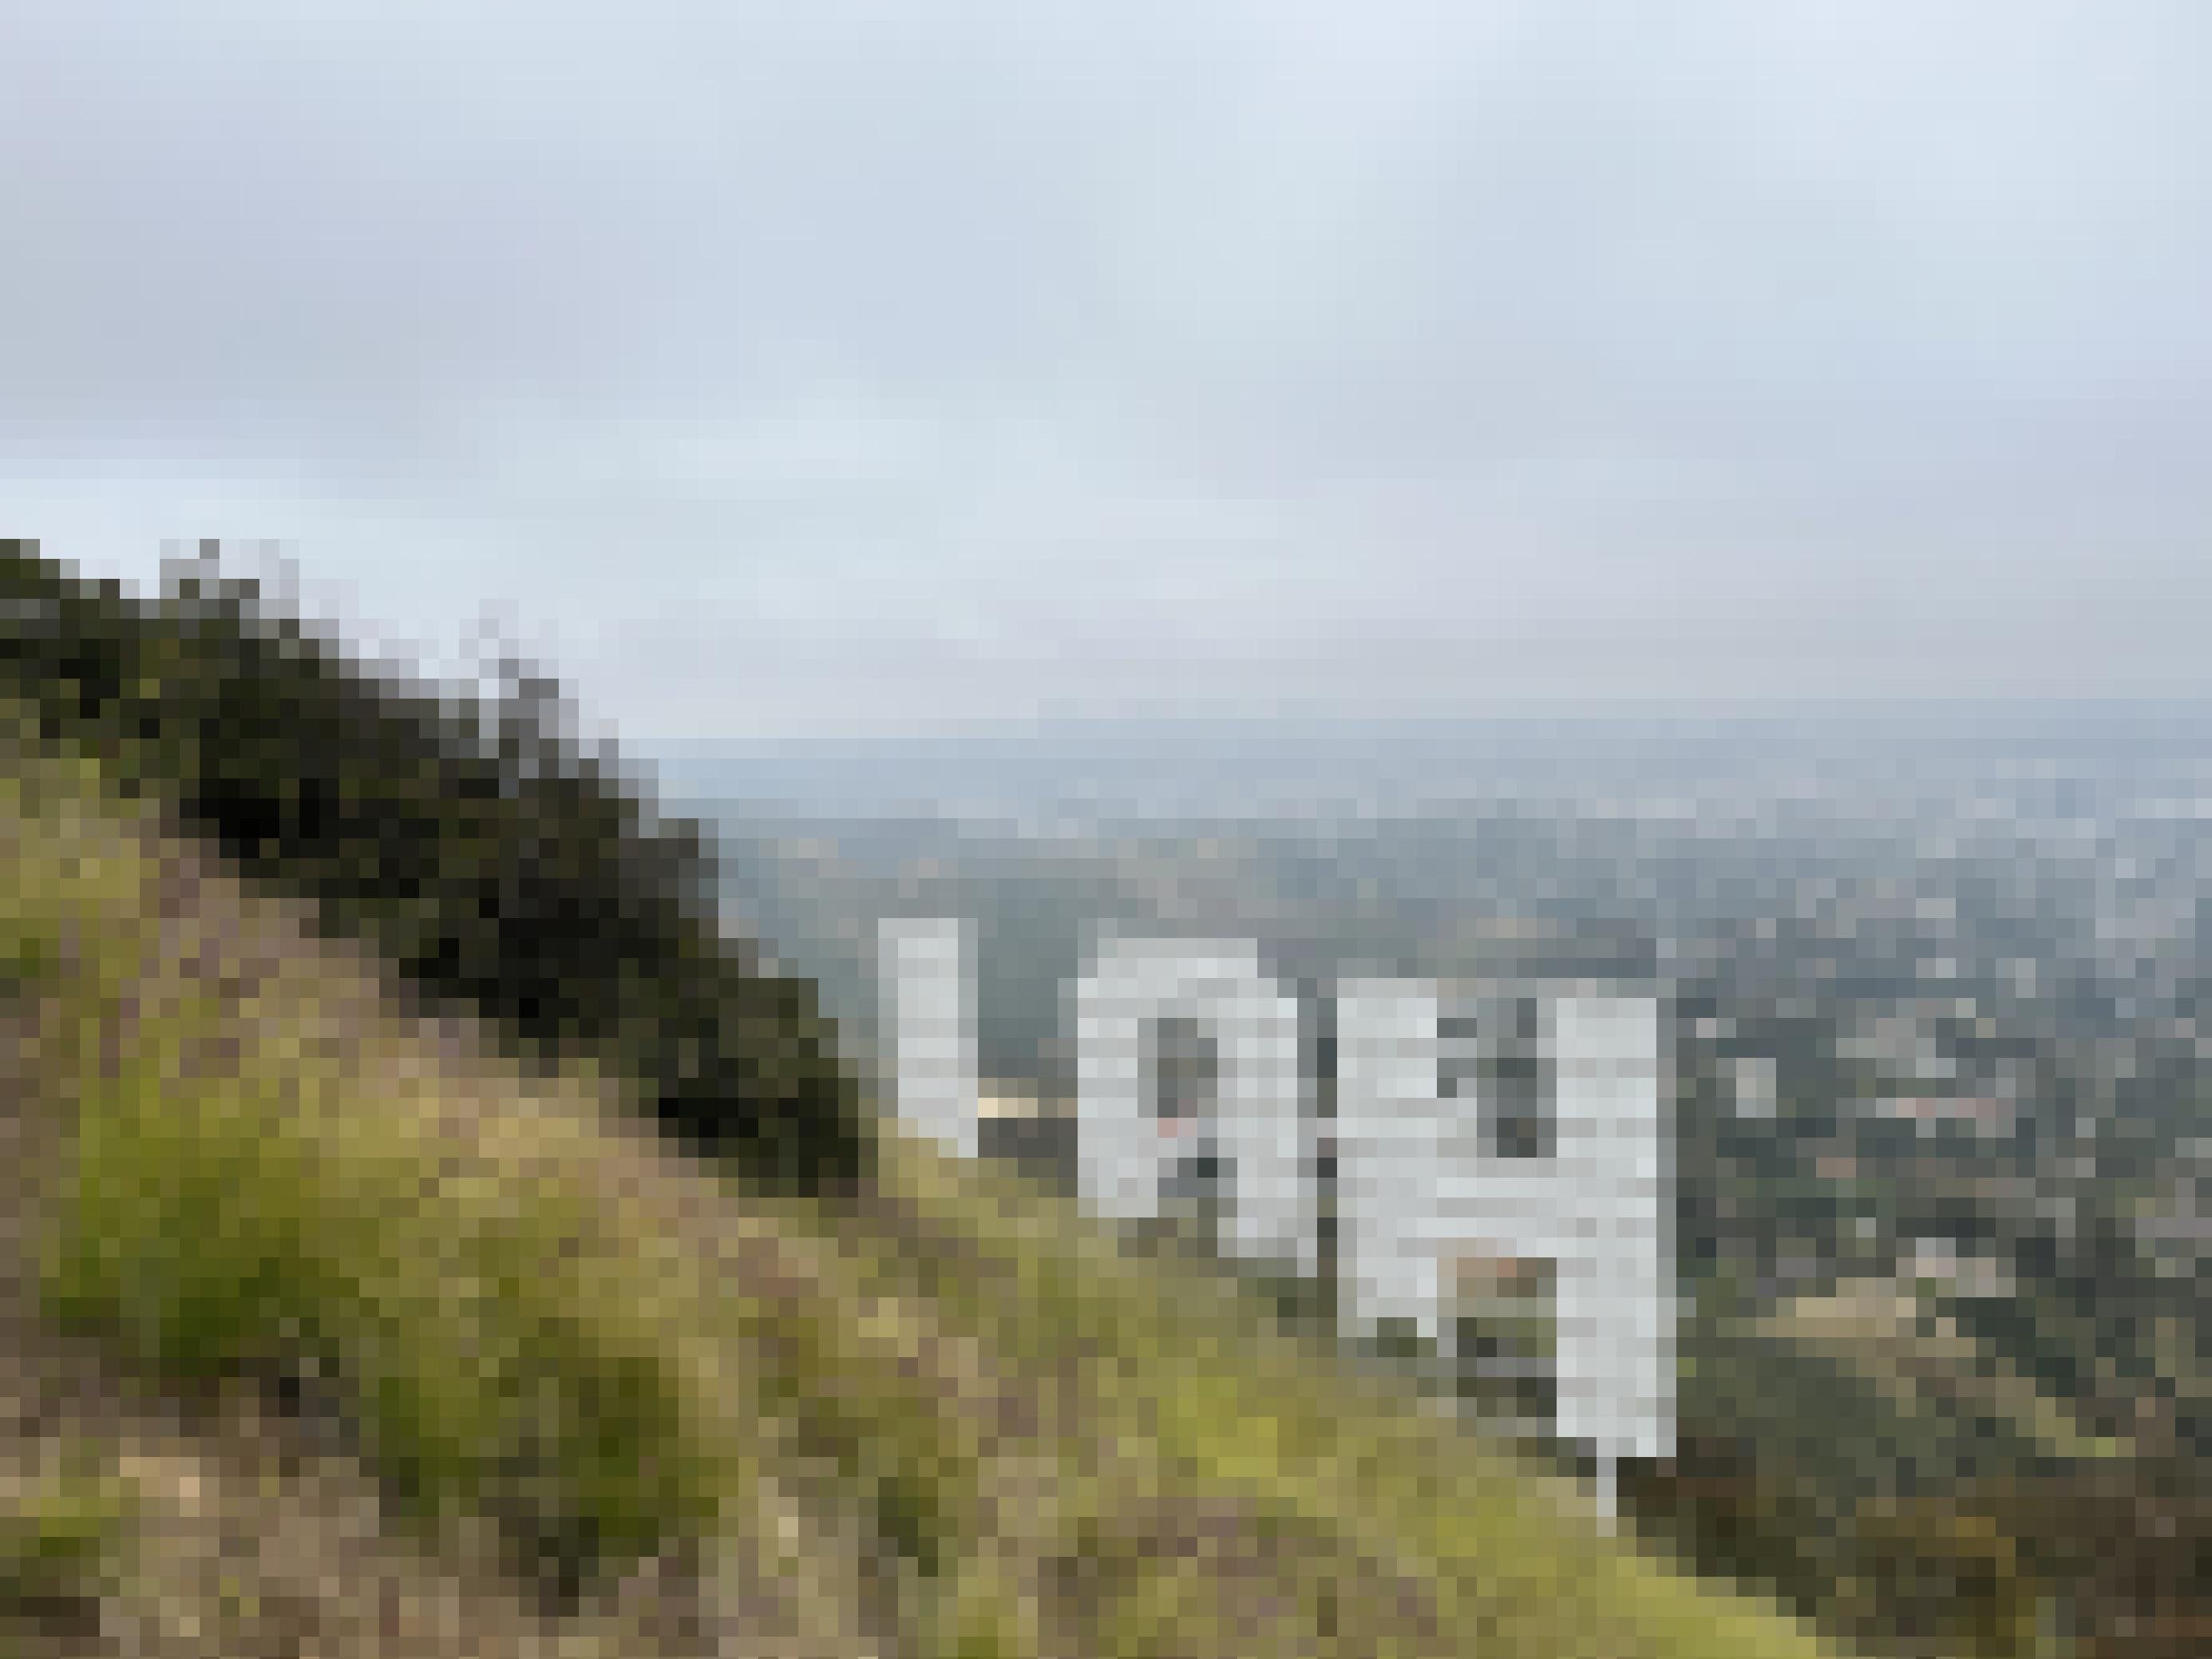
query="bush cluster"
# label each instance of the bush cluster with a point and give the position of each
(472, 841)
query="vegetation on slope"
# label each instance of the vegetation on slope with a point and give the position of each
(500, 867)
(937, 1414)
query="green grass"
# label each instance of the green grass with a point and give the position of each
(64, 1535)
(318, 1228)
(1190, 1368)
(538, 1315)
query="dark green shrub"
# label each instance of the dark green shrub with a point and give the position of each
(474, 843)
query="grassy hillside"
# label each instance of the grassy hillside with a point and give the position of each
(583, 1387)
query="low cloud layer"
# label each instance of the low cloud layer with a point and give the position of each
(843, 366)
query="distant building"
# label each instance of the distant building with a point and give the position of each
(1982, 1114)
(1753, 1081)
(1953, 1272)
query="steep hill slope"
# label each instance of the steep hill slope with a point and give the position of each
(337, 1333)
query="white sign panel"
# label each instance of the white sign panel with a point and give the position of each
(1260, 1122)
(932, 1029)
(1418, 1182)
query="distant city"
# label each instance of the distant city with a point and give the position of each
(1933, 994)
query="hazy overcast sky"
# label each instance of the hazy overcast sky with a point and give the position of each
(826, 366)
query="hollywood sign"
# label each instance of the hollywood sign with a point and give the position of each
(1420, 1187)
